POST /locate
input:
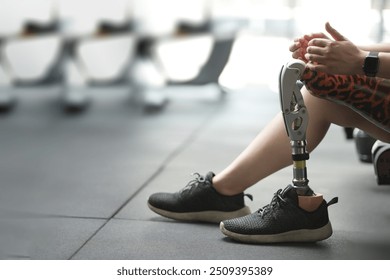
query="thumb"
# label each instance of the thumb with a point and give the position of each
(334, 33)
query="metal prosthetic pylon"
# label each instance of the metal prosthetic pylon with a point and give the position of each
(296, 121)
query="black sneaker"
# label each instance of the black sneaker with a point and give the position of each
(281, 221)
(199, 202)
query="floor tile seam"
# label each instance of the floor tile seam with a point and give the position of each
(180, 148)
(166, 222)
(88, 239)
(38, 216)
(75, 217)
(162, 221)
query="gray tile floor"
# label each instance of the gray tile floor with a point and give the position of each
(75, 187)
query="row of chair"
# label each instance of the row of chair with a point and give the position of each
(71, 49)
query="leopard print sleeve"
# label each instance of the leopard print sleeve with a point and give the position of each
(368, 96)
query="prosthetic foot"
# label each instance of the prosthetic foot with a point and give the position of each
(296, 120)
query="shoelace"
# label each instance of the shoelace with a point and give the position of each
(194, 183)
(201, 179)
(276, 200)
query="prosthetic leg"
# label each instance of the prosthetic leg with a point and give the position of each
(296, 120)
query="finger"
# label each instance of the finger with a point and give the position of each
(319, 42)
(312, 66)
(315, 35)
(297, 55)
(296, 40)
(315, 58)
(317, 67)
(309, 57)
(334, 33)
(294, 47)
(316, 50)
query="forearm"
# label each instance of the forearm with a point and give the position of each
(381, 47)
(384, 66)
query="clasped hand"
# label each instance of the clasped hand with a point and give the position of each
(335, 55)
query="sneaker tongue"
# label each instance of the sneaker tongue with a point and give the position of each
(291, 193)
(209, 176)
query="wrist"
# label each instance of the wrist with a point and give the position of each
(360, 62)
(371, 64)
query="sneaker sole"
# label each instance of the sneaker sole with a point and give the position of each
(203, 216)
(303, 235)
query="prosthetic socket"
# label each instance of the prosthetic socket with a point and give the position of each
(296, 120)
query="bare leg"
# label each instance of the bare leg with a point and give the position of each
(270, 151)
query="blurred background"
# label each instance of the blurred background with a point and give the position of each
(146, 45)
(98, 98)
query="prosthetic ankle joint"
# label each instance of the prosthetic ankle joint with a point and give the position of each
(296, 120)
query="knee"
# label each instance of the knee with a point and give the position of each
(323, 85)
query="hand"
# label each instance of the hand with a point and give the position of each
(299, 47)
(338, 56)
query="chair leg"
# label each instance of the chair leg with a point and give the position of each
(364, 143)
(348, 132)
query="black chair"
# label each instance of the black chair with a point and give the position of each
(7, 99)
(75, 102)
(219, 55)
(53, 74)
